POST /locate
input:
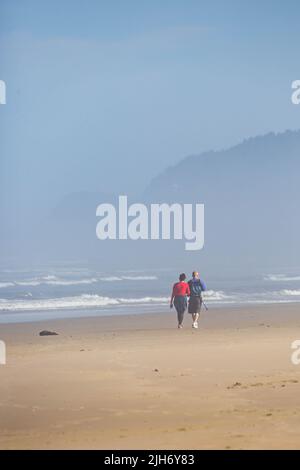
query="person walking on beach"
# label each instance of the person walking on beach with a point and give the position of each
(196, 286)
(179, 295)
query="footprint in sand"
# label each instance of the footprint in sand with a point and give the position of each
(281, 384)
(235, 385)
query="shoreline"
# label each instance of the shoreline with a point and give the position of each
(216, 317)
(151, 311)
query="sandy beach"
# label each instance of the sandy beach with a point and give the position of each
(136, 382)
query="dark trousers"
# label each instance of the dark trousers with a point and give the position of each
(180, 303)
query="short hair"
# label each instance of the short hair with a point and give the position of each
(194, 273)
(182, 277)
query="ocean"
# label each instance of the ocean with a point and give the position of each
(70, 292)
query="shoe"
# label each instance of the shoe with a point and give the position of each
(195, 324)
(180, 326)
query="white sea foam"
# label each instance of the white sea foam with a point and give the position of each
(6, 284)
(61, 282)
(55, 281)
(215, 295)
(128, 278)
(28, 283)
(145, 300)
(281, 278)
(80, 301)
(52, 280)
(87, 300)
(139, 278)
(292, 292)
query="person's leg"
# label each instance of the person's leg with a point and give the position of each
(198, 312)
(180, 308)
(195, 320)
(191, 310)
(198, 304)
(180, 314)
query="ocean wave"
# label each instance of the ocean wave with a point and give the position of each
(28, 283)
(128, 278)
(52, 280)
(89, 300)
(81, 301)
(281, 278)
(6, 284)
(139, 278)
(49, 278)
(74, 282)
(55, 281)
(145, 300)
(96, 301)
(288, 292)
(215, 295)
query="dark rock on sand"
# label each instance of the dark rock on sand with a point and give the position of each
(48, 333)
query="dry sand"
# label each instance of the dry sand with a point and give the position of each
(138, 382)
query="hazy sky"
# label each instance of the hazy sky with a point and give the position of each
(103, 95)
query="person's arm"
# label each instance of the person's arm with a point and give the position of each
(203, 285)
(172, 297)
(188, 291)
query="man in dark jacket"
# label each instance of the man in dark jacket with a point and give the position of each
(195, 302)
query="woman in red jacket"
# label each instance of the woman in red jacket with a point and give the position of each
(179, 296)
